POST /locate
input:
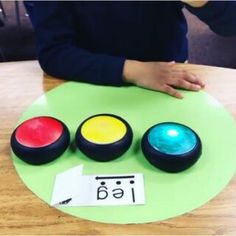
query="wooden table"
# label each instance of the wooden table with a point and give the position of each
(21, 212)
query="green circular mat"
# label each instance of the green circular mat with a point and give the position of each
(167, 195)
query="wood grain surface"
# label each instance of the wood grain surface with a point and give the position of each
(23, 213)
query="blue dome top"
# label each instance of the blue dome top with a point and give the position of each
(172, 138)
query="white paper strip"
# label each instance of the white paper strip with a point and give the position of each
(66, 185)
(97, 190)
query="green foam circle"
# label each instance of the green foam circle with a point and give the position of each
(167, 195)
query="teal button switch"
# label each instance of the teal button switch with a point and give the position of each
(173, 139)
(171, 147)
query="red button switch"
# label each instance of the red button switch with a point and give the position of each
(40, 140)
(39, 132)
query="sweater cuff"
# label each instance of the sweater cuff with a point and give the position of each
(112, 71)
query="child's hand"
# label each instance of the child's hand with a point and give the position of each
(194, 3)
(161, 76)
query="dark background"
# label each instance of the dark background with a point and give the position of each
(205, 47)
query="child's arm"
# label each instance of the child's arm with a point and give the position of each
(161, 76)
(60, 56)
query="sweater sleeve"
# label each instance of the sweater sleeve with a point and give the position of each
(58, 52)
(219, 15)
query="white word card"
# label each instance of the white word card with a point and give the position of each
(99, 190)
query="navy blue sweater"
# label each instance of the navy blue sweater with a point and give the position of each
(89, 41)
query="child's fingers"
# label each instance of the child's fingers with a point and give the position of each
(195, 79)
(188, 76)
(184, 84)
(171, 91)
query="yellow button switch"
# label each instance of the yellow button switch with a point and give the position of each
(103, 129)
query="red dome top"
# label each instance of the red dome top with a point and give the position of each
(39, 132)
